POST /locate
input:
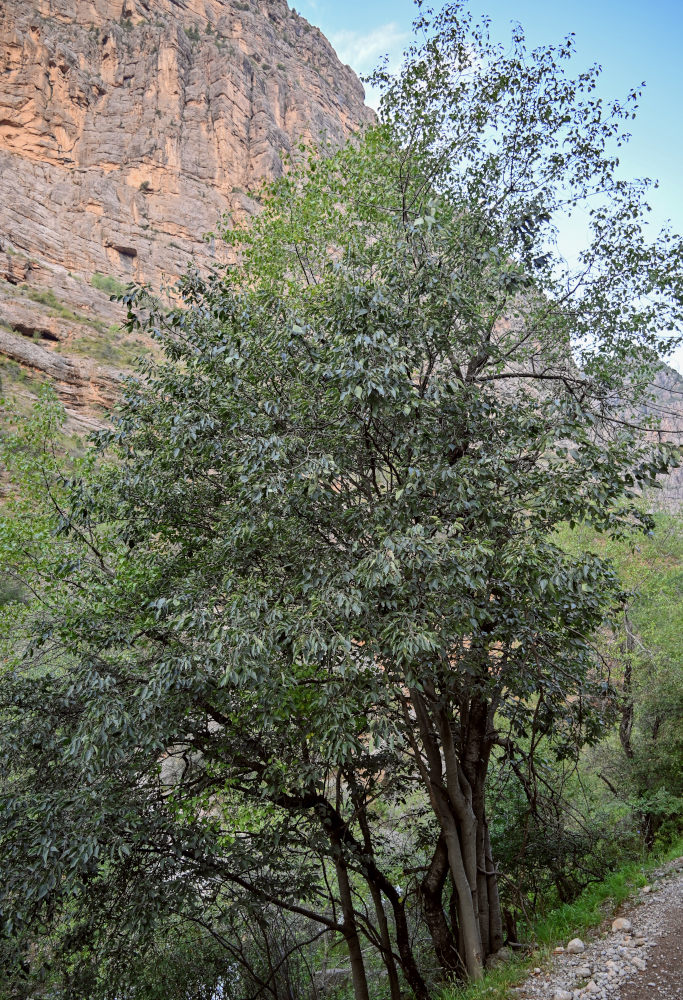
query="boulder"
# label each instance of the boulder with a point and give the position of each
(498, 958)
(576, 946)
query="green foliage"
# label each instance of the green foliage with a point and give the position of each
(592, 906)
(640, 766)
(563, 826)
(10, 591)
(306, 594)
(47, 297)
(107, 282)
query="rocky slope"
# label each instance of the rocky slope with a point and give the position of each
(635, 957)
(666, 407)
(127, 128)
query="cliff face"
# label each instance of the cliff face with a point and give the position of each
(127, 127)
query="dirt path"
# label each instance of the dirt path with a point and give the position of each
(640, 957)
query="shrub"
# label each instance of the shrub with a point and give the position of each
(107, 283)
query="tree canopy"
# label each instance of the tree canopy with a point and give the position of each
(290, 610)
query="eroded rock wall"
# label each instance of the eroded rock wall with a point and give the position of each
(128, 127)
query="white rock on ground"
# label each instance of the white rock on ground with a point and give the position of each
(619, 958)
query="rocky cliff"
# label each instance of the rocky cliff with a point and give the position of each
(127, 128)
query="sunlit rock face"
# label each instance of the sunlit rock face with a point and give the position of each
(129, 127)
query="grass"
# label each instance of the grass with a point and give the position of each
(594, 905)
(496, 985)
(113, 346)
(46, 297)
(107, 282)
(591, 907)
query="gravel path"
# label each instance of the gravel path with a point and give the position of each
(638, 956)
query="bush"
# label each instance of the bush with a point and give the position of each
(107, 282)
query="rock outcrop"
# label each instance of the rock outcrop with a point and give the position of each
(129, 127)
(83, 385)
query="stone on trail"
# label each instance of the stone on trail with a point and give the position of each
(559, 950)
(562, 995)
(621, 924)
(576, 946)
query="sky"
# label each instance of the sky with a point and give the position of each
(634, 41)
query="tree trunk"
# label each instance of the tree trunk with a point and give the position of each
(496, 936)
(467, 917)
(477, 724)
(375, 892)
(350, 930)
(442, 936)
(460, 796)
(461, 810)
(626, 707)
(337, 830)
(387, 956)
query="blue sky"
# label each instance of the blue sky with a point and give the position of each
(633, 41)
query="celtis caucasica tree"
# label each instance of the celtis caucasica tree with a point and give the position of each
(313, 560)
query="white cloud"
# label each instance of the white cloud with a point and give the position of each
(363, 50)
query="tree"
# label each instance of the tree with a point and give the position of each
(312, 563)
(640, 765)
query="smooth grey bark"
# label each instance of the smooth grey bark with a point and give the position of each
(443, 938)
(457, 823)
(496, 936)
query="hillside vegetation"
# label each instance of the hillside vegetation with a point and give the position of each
(347, 652)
